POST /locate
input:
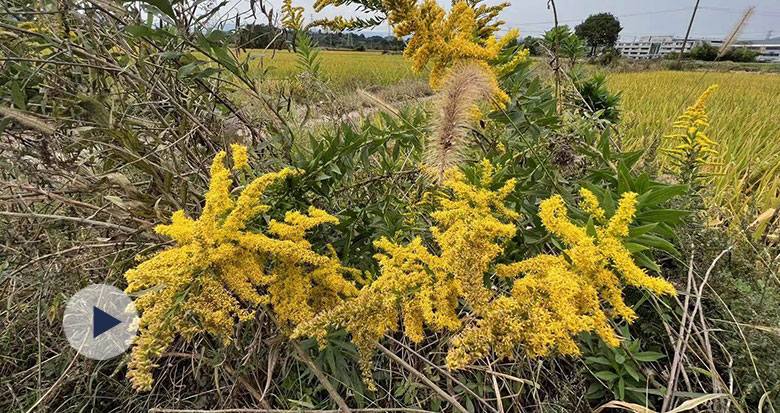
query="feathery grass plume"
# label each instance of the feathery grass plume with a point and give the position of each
(736, 30)
(466, 85)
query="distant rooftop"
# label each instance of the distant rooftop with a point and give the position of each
(774, 40)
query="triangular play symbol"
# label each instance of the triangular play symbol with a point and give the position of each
(102, 322)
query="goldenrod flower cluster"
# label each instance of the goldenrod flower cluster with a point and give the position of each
(555, 297)
(695, 148)
(292, 17)
(421, 286)
(215, 273)
(438, 40)
(552, 299)
(219, 271)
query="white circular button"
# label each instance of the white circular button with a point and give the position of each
(100, 321)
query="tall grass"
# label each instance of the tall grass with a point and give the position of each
(744, 120)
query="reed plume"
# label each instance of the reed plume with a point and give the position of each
(736, 31)
(466, 85)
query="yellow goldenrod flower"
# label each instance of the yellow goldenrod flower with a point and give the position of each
(554, 298)
(438, 40)
(292, 17)
(219, 271)
(695, 148)
(422, 287)
(240, 157)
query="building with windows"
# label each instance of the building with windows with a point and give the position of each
(768, 49)
(651, 47)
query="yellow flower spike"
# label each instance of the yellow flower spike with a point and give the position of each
(438, 40)
(697, 147)
(216, 273)
(554, 299)
(240, 157)
(618, 224)
(420, 289)
(590, 204)
(552, 211)
(292, 17)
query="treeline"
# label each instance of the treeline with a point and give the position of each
(261, 36)
(709, 53)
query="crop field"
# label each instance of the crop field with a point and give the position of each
(345, 69)
(744, 122)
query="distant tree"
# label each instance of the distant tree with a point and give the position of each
(704, 51)
(740, 54)
(599, 31)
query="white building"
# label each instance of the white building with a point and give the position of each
(768, 49)
(650, 47)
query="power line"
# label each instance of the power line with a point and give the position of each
(618, 16)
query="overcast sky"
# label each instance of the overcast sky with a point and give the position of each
(714, 19)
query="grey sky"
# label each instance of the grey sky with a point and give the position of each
(714, 19)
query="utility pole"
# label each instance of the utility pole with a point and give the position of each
(688, 33)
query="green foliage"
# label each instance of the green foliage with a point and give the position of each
(597, 98)
(599, 30)
(740, 54)
(619, 372)
(704, 51)
(308, 55)
(569, 44)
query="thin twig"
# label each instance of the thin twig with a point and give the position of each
(446, 396)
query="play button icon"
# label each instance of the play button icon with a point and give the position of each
(100, 321)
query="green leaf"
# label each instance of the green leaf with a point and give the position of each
(18, 96)
(625, 183)
(606, 375)
(620, 359)
(187, 69)
(642, 184)
(590, 229)
(645, 262)
(598, 360)
(608, 203)
(207, 72)
(671, 216)
(643, 229)
(647, 356)
(633, 247)
(630, 158)
(656, 242)
(632, 372)
(658, 196)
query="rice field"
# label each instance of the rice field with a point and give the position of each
(744, 119)
(344, 68)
